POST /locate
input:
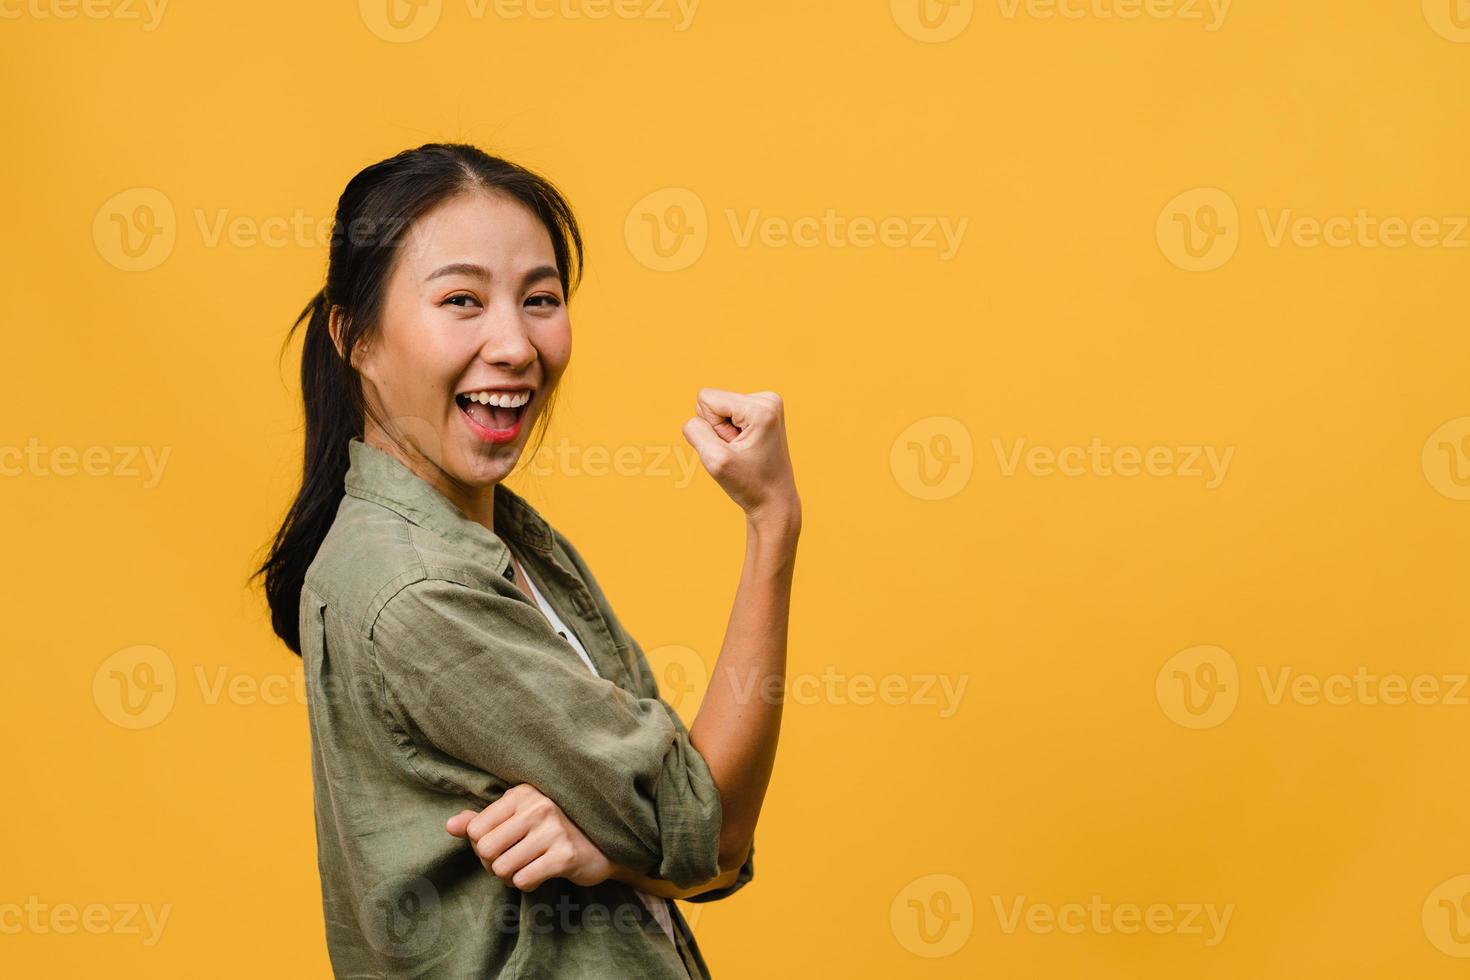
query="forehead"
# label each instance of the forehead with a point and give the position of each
(489, 228)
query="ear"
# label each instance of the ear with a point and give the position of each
(337, 328)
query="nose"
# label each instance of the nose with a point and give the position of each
(506, 342)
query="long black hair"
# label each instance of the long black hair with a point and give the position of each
(373, 217)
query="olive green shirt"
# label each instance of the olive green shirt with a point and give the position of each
(434, 684)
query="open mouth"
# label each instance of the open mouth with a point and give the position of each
(497, 413)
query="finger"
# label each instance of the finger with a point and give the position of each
(718, 400)
(702, 437)
(513, 860)
(725, 411)
(458, 825)
(502, 838)
(721, 426)
(535, 874)
(491, 817)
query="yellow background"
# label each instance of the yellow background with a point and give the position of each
(1072, 766)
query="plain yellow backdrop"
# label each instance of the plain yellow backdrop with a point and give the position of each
(1129, 630)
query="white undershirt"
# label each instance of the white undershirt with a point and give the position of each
(657, 904)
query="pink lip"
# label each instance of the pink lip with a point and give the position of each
(486, 434)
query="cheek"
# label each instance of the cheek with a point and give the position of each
(422, 366)
(554, 347)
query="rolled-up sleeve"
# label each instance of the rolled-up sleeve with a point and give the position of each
(649, 686)
(479, 677)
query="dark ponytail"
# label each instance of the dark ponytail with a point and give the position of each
(373, 216)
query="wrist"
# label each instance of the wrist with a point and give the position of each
(770, 546)
(776, 522)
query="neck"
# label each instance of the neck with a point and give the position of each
(477, 503)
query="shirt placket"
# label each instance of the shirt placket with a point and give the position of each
(584, 617)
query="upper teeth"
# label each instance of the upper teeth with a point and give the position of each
(500, 399)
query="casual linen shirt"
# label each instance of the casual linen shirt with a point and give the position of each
(434, 684)
(657, 904)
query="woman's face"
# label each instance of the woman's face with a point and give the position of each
(473, 314)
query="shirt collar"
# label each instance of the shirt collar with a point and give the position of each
(373, 474)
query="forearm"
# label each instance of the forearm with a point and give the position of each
(738, 724)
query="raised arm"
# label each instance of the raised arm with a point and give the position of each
(741, 440)
(689, 811)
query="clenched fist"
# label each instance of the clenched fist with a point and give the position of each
(741, 440)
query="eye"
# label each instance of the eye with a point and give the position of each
(549, 300)
(457, 299)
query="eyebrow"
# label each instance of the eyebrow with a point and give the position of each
(480, 272)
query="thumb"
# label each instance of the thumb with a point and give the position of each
(703, 438)
(458, 823)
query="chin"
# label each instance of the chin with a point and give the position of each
(481, 469)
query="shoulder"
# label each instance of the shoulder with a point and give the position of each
(372, 553)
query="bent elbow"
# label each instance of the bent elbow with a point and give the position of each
(733, 854)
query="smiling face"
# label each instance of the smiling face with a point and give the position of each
(474, 336)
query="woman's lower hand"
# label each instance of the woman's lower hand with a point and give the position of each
(525, 839)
